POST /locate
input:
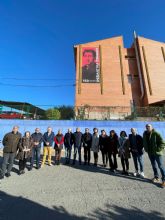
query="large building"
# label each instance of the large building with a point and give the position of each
(111, 80)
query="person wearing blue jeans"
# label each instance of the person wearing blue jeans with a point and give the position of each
(154, 145)
(136, 146)
(157, 161)
(36, 149)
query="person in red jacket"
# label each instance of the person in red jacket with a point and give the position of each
(59, 141)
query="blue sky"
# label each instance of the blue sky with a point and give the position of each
(37, 38)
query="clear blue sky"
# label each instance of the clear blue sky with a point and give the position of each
(37, 38)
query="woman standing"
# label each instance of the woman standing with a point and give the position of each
(103, 141)
(59, 141)
(25, 151)
(95, 145)
(113, 150)
(124, 152)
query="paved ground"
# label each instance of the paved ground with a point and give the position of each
(80, 192)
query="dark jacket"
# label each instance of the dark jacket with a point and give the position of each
(68, 140)
(77, 139)
(89, 72)
(25, 143)
(87, 140)
(137, 147)
(37, 137)
(153, 143)
(48, 138)
(103, 143)
(124, 148)
(59, 139)
(10, 142)
(113, 144)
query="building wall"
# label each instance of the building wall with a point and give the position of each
(114, 92)
(129, 75)
(153, 69)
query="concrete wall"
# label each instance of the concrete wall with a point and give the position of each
(30, 125)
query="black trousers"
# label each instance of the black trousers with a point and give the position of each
(95, 154)
(87, 154)
(124, 163)
(104, 157)
(112, 161)
(22, 164)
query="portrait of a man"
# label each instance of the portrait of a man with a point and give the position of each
(90, 65)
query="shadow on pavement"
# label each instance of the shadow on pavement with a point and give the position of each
(103, 170)
(19, 208)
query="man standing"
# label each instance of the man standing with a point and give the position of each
(77, 140)
(87, 141)
(136, 145)
(36, 150)
(48, 139)
(68, 142)
(10, 143)
(154, 145)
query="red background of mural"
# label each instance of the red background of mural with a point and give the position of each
(90, 48)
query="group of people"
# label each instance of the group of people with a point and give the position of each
(111, 147)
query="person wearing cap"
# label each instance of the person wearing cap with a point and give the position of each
(87, 141)
(137, 150)
(154, 145)
(59, 141)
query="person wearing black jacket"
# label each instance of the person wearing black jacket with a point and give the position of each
(68, 142)
(103, 147)
(136, 146)
(77, 141)
(113, 150)
(36, 149)
(87, 141)
(10, 142)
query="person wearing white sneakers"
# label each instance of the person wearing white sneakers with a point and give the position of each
(137, 150)
(154, 145)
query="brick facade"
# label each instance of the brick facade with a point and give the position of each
(129, 75)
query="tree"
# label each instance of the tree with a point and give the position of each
(67, 112)
(53, 114)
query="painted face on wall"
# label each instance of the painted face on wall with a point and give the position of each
(88, 57)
